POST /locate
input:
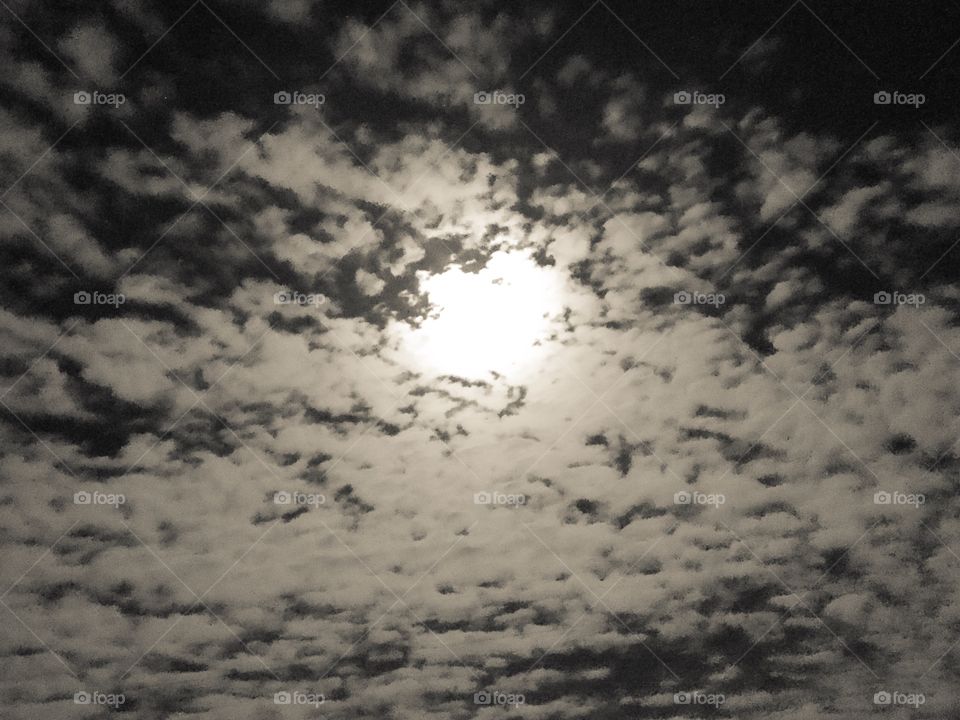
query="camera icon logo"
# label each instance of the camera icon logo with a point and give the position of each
(882, 98)
(482, 98)
(482, 698)
(482, 498)
(282, 98)
(82, 497)
(682, 97)
(681, 698)
(82, 298)
(682, 498)
(282, 498)
(882, 498)
(882, 698)
(882, 298)
(82, 97)
(682, 298)
(282, 698)
(82, 698)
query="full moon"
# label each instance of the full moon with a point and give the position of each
(488, 321)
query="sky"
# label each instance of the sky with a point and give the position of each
(489, 360)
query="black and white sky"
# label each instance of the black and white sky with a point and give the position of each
(479, 360)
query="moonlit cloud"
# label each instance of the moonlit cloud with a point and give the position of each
(424, 404)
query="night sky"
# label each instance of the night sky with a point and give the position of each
(479, 360)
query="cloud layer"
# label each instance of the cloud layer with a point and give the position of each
(228, 471)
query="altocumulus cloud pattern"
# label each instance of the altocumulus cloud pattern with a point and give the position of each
(479, 360)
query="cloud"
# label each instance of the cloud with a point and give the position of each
(623, 113)
(263, 348)
(93, 49)
(369, 283)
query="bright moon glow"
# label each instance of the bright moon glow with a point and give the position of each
(487, 321)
